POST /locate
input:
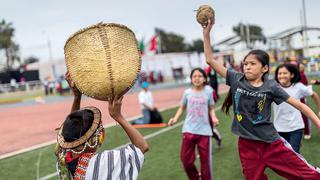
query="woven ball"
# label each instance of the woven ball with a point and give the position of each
(103, 60)
(204, 13)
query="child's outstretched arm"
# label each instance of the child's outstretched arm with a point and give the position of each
(215, 120)
(315, 82)
(305, 110)
(316, 99)
(77, 94)
(134, 135)
(179, 112)
(219, 68)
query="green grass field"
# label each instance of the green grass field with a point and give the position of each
(163, 159)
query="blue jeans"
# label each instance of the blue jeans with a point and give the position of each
(145, 119)
(294, 138)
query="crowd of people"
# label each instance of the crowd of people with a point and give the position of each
(153, 77)
(58, 86)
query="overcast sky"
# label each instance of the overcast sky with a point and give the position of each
(37, 21)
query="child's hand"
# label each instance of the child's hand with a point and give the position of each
(172, 121)
(73, 87)
(115, 107)
(152, 108)
(207, 28)
(313, 82)
(215, 121)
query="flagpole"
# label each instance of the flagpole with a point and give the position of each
(158, 41)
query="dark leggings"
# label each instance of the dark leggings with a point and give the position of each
(294, 138)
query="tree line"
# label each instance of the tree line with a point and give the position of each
(172, 42)
(11, 48)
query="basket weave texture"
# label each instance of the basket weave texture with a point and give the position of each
(103, 60)
(204, 13)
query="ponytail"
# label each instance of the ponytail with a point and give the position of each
(227, 103)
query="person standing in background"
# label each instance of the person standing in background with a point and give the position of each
(306, 121)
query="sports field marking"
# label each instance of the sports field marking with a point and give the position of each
(145, 137)
(31, 148)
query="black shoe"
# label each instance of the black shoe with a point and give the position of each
(219, 143)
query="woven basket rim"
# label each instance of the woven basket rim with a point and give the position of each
(100, 24)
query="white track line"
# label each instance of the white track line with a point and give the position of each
(31, 148)
(145, 137)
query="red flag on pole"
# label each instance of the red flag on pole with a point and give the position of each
(153, 44)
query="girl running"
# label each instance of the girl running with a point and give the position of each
(198, 102)
(251, 95)
(287, 119)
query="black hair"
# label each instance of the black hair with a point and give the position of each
(293, 69)
(202, 72)
(293, 62)
(263, 58)
(77, 124)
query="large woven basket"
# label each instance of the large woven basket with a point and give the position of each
(103, 60)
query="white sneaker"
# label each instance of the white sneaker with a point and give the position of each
(307, 137)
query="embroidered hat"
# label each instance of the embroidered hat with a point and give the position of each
(103, 60)
(89, 129)
(204, 13)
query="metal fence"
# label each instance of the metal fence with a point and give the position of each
(21, 86)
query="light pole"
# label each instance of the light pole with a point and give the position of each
(304, 30)
(51, 64)
(50, 50)
(48, 46)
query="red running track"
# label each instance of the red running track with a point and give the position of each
(25, 126)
